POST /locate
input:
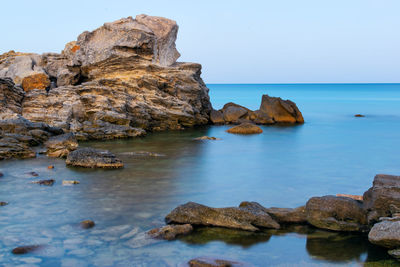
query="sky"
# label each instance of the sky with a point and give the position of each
(270, 41)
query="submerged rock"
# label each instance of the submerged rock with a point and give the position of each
(86, 224)
(170, 232)
(26, 249)
(236, 218)
(61, 145)
(336, 213)
(245, 128)
(49, 182)
(207, 138)
(3, 203)
(93, 158)
(69, 182)
(213, 262)
(35, 174)
(382, 196)
(359, 116)
(385, 234)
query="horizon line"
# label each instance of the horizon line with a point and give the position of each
(312, 83)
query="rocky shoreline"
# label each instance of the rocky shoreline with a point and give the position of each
(118, 81)
(377, 215)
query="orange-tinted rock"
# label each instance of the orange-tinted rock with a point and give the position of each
(245, 128)
(75, 48)
(355, 197)
(35, 81)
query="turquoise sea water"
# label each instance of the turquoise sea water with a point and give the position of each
(333, 152)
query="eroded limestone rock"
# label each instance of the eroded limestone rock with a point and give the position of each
(93, 158)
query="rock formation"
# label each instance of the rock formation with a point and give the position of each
(119, 80)
(237, 218)
(93, 158)
(272, 110)
(245, 128)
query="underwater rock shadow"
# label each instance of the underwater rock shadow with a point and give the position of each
(323, 245)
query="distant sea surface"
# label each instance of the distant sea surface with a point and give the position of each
(332, 152)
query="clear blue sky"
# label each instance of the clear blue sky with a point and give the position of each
(270, 41)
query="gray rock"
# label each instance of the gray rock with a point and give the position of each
(382, 198)
(395, 253)
(236, 218)
(93, 158)
(385, 234)
(165, 31)
(336, 213)
(216, 117)
(281, 215)
(234, 113)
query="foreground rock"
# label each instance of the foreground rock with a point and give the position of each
(60, 146)
(26, 249)
(385, 234)
(245, 128)
(382, 198)
(336, 213)
(281, 215)
(93, 158)
(237, 218)
(170, 232)
(272, 110)
(119, 80)
(212, 262)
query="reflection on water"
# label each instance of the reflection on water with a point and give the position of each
(332, 153)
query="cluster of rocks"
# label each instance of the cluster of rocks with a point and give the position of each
(119, 80)
(272, 110)
(377, 214)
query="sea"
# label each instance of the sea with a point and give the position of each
(333, 152)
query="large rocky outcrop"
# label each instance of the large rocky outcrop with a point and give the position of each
(272, 110)
(119, 80)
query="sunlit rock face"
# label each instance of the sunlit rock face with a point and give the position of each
(117, 81)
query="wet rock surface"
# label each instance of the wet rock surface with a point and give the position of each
(336, 213)
(237, 218)
(93, 158)
(170, 232)
(61, 145)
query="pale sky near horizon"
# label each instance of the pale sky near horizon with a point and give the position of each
(270, 41)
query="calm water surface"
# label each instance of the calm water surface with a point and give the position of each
(333, 152)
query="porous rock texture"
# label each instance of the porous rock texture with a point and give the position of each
(117, 81)
(93, 158)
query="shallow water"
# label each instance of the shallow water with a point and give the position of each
(333, 152)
